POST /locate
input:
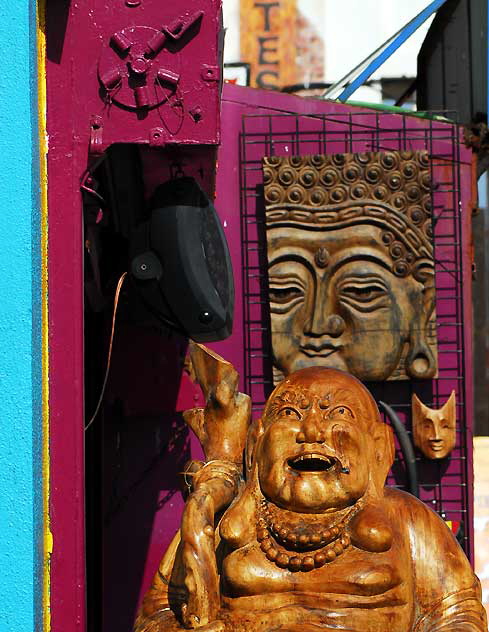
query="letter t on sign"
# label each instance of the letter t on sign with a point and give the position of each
(266, 6)
(268, 41)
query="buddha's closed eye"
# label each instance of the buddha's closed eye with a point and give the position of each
(285, 294)
(364, 294)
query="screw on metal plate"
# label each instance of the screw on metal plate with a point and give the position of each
(157, 136)
(196, 113)
(210, 73)
(96, 130)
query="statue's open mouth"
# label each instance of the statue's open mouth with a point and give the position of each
(312, 462)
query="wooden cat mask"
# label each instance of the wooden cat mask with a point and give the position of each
(434, 428)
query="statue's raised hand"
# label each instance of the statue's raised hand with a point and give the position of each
(222, 425)
(221, 428)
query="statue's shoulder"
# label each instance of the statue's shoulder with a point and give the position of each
(400, 500)
(434, 549)
(416, 516)
(400, 513)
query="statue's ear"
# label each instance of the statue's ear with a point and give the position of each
(420, 361)
(384, 452)
(254, 433)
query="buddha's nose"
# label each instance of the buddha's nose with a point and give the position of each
(324, 321)
(311, 428)
(335, 325)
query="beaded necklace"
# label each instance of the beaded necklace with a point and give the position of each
(322, 547)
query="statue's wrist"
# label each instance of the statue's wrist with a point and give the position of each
(218, 469)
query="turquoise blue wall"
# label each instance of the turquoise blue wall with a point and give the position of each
(20, 377)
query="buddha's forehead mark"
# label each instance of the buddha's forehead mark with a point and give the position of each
(301, 398)
(324, 401)
(297, 397)
(304, 397)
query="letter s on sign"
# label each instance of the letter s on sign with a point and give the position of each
(261, 83)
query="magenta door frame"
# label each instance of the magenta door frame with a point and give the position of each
(81, 122)
(65, 268)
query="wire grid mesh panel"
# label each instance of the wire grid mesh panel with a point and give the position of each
(443, 484)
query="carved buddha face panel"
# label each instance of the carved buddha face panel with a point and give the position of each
(434, 429)
(351, 271)
(317, 451)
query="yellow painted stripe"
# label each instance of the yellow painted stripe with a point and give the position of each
(43, 148)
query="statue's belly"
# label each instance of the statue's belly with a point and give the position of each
(247, 572)
(359, 592)
(307, 612)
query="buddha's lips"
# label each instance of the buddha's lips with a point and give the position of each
(312, 462)
(320, 352)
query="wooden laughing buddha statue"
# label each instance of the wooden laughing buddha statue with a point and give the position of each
(304, 537)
